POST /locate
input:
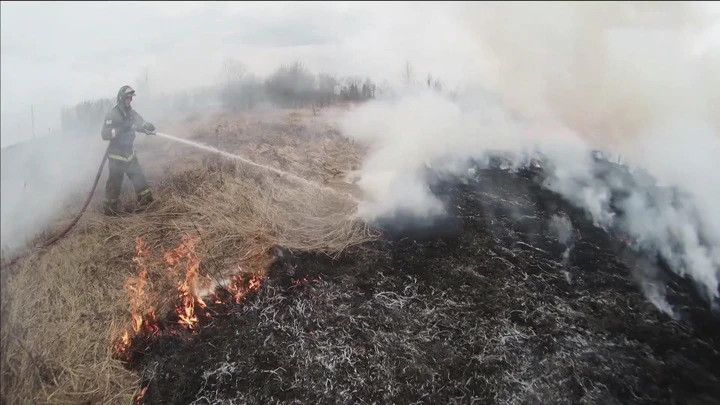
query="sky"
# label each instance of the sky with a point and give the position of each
(60, 53)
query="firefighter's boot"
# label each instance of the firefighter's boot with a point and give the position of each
(144, 200)
(110, 208)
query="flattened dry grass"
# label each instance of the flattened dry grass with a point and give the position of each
(62, 310)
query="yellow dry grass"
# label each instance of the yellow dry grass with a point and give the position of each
(62, 310)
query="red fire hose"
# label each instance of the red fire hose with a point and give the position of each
(67, 229)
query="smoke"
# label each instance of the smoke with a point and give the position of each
(606, 70)
(408, 135)
(564, 79)
(39, 178)
(563, 229)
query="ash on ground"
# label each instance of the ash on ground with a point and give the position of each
(528, 304)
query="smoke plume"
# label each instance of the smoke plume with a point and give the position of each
(564, 79)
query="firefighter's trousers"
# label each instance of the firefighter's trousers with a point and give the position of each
(119, 166)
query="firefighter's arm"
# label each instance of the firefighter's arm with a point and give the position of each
(142, 125)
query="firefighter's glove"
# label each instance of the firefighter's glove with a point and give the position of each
(148, 128)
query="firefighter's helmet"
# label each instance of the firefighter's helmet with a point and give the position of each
(125, 92)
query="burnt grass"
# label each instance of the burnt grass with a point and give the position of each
(486, 306)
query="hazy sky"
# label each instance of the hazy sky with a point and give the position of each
(60, 53)
(57, 53)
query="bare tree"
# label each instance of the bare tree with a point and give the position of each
(326, 89)
(408, 74)
(368, 89)
(291, 86)
(454, 94)
(143, 81)
(352, 88)
(437, 86)
(434, 83)
(233, 71)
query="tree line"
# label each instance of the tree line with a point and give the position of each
(290, 86)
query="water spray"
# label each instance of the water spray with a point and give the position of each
(279, 172)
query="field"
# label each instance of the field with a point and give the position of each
(240, 286)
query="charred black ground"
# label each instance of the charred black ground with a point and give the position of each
(495, 310)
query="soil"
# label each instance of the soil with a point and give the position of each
(485, 306)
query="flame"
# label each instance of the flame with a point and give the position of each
(187, 289)
(305, 280)
(186, 309)
(240, 285)
(140, 395)
(120, 347)
(136, 289)
(140, 251)
(186, 248)
(135, 286)
(254, 283)
(300, 281)
(239, 288)
(142, 316)
(151, 325)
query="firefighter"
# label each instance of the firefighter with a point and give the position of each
(119, 128)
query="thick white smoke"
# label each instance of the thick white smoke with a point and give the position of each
(618, 77)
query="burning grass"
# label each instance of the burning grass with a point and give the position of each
(68, 313)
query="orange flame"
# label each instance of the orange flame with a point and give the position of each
(120, 347)
(239, 288)
(186, 309)
(140, 395)
(140, 251)
(145, 321)
(151, 323)
(305, 280)
(173, 257)
(254, 283)
(135, 286)
(187, 289)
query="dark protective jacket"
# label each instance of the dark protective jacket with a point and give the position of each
(125, 122)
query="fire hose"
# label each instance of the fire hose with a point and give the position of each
(67, 229)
